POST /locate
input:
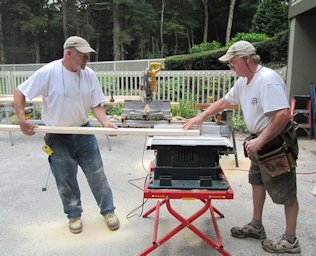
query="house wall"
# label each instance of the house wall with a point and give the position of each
(302, 54)
(301, 68)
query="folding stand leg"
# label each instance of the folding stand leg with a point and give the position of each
(186, 223)
(47, 178)
(234, 146)
(215, 210)
(218, 235)
(154, 208)
(108, 142)
(7, 109)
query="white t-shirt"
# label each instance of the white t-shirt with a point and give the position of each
(67, 96)
(259, 99)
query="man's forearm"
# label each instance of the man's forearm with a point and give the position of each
(276, 126)
(19, 104)
(215, 108)
(100, 114)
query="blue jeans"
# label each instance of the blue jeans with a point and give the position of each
(69, 152)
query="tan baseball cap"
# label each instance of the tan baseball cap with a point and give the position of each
(240, 48)
(79, 44)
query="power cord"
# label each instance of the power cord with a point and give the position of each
(144, 147)
(132, 213)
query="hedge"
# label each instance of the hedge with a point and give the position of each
(272, 51)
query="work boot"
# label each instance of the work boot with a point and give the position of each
(281, 245)
(248, 231)
(112, 221)
(75, 225)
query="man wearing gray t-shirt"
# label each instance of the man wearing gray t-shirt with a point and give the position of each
(262, 96)
(70, 90)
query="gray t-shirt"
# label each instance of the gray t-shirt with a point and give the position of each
(67, 96)
(259, 99)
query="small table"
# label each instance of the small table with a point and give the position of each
(7, 105)
(6, 108)
(165, 196)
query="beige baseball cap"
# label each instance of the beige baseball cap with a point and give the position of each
(79, 44)
(240, 48)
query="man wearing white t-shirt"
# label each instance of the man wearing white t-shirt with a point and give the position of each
(262, 96)
(70, 90)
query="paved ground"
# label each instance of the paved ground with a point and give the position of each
(32, 221)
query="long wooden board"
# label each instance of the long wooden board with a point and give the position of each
(119, 99)
(106, 131)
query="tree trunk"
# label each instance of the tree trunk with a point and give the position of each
(176, 43)
(116, 33)
(141, 50)
(163, 4)
(205, 4)
(37, 48)
(1, 39)
(122, 50)
(230, 20)
(97, 48)
(192, 37)
(64, 15)
(155, 44)
(188, 38)
(214, 23)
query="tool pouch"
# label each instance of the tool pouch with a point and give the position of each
(279, 155)
(276, 162)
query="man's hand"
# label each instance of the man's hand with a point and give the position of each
(27, 127)
(193, 121)
(109, 124)
(252, 146)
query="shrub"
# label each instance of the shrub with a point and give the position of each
(205, 46)
(115, 110)
(272, 50)
(185, 109)
(239, 124)
(251, 37)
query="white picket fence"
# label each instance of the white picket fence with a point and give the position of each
(172, 85)
(176, 86)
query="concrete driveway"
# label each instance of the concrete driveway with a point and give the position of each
(32, 221)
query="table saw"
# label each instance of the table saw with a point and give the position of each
(188, 162)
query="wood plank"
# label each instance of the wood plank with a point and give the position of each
(105, 131)
(9, 98)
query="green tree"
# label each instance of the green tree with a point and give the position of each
(34, 31)
(142, 27)
(271, 17)
(102, 22)
(2, 59)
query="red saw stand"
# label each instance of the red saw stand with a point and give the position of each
(165, 196)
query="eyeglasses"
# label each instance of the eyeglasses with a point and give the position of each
(234, 61)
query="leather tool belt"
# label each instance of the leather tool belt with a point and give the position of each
(279, 155)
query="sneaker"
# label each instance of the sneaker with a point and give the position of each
(75, 225)
(281, 245)
(248, 231)
(112, 221)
